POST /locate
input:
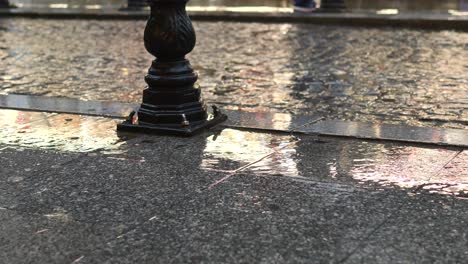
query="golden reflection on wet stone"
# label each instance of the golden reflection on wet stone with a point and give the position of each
(240, 148)
(57, 131)
(453, 178)
(441, 171)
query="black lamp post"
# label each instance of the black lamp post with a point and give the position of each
(5, 4)
(332, 5)
(172, 102)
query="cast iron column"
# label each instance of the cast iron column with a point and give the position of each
(5, 4)
(172, 102)
(332, 5)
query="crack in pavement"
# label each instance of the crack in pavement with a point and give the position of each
(364, 240)
(277, 151)
(438, 172)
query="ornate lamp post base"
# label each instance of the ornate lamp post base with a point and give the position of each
(172, 103)
(185, 128)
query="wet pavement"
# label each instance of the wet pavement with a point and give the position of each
(358, 74)
(232, 151)
(94, 196)
(253, 121)
(353, 5)
(73, 190)
(57, 131)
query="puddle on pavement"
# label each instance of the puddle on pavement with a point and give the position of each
(58, 131)
(232, 149)
(441, 171)
(453, 179)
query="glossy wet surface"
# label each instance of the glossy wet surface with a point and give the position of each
(410, 134)
(69, 133)
(66, 105)
(234, 152)
(336, 72)
(443, 171)
(74, 191)
(266, 122)
(231, 196)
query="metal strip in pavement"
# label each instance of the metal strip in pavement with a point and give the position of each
(237, 119)
(261, 121)
(65, 105)
(402, 133)
(268, 121)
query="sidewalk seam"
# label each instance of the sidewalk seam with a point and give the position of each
(364, 240)
(363, 243)
(277, 151)
(438, 172)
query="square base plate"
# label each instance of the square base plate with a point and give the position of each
(187, 131)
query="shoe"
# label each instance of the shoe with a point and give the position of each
(305, 6)
(304, 9)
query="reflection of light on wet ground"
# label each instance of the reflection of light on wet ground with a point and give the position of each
(387, 12)
(239, 148)
(57, 131)
(453, 178)
(441, 171)
(58, 6)
(435, 170)
(240, 9)
(93, 6)
(458, 13)
(264, 120)
(65, 6)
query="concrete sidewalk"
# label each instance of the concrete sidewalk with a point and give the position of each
(74, 191)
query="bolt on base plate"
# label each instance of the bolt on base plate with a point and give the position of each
(132, 125)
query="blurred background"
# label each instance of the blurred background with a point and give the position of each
(395, 6)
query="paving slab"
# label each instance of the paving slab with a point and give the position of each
(237, 119)
(33, 238)
(418, 233)
(58, 131)
(65, 105)
(18, 164)
(453, 178)
(235, 196)
(411, 134)
(385, 164)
